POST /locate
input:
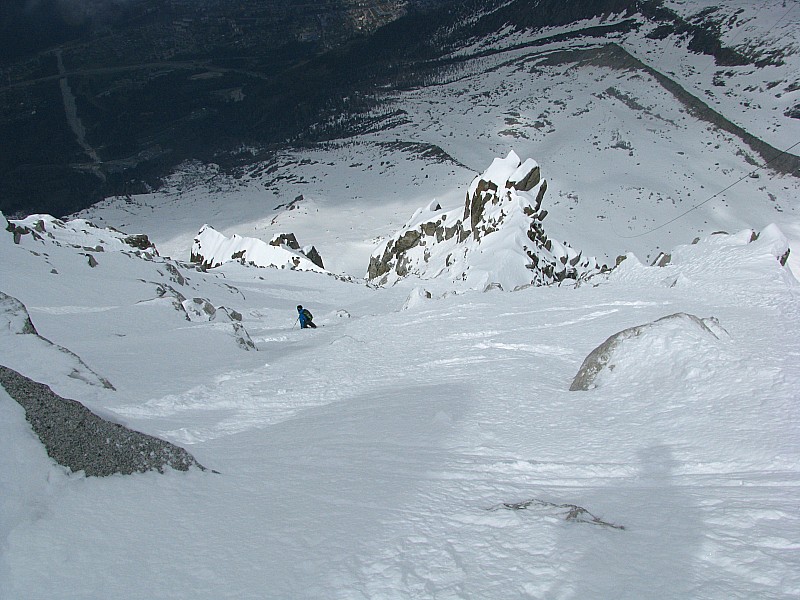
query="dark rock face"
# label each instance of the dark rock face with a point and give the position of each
(78, 439)
(313, 255)
(285, 239)
(140, 241)
(530, 181)
(17, 231)
(393, 252)
(784, 257)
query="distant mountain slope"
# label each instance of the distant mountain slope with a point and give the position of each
(165, 87)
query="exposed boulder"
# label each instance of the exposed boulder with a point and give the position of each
(495, 241)
(604, 356)
(80, 440)
(141, 242)
(199, 309)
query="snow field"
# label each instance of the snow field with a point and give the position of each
(370, 458)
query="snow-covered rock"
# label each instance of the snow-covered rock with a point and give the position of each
(80, 233)
(661, 338)
(212, 249)
(202, 310)
(496, 240)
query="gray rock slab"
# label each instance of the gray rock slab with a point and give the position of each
(77, 438)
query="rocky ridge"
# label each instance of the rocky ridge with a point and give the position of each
(212, 249)
(41, 235)
(497, 241)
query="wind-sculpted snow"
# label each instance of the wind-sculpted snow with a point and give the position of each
(497, 240)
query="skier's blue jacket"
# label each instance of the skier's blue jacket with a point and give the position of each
(303, 317)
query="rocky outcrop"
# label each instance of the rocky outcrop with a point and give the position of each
(80, 440)
(80, 234)
(290, 241)
(141, 242)
(567, 512)
(285, 239)
(497, 240)
(202, 310)
(18, 231)
(313, 255)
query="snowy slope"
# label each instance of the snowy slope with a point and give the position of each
(429, 452)
(426, 445)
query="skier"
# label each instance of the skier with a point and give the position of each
(305, 317)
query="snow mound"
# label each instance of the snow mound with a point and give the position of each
(212, 249)
(665, 346)
(496, 240)
(416, 298)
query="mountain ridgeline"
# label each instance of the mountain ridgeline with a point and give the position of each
(108, 103)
